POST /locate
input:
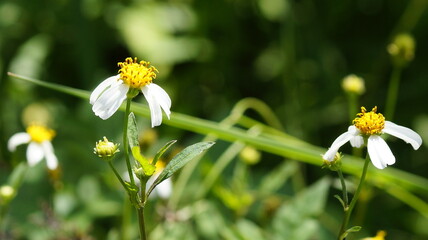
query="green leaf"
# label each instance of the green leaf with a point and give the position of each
(148, 168)
(132, 131)
(340, 200)
(350, 230)
(162, 151)
(179, 161)
(296, 219)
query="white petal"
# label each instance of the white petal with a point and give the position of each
(357, 141)
(162, 97)
(379, 152)
(51, 159)
(35, 153)
(342, 139)
(154, 106)
(108, 103)
(18, 139)
(101, 88)
(164, 189)
(406, 134)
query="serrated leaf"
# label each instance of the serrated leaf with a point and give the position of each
(179, 161)
(162, 151)
(132, 131)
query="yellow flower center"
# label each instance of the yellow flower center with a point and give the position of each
(160, 166)
(369, 123)
(40, 134)
(136, 74)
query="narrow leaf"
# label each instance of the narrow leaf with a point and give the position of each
(148, 168)
(340, 200)
(179, 161)
(162, 151)
(132, 131)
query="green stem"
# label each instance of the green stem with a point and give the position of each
(140, 208)
(141, 223)
(117, 175)
(391, 101)
(352, 105)
(344, 191)
(348, 210)
(125, 141)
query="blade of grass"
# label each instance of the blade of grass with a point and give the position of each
(282, 146)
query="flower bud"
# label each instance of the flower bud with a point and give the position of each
(7, 193)
(353, 84)
(402, 49)
(106, 149)
(250, 155)
(334, 165)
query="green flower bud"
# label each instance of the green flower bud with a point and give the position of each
(250, 155)
(334, 165)
(106, 149)
(353, 84)
(7, 193)
(402, 49)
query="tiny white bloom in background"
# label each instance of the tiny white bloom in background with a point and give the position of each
(164, 189)
(133, 77)
(371, 125)
(39, 145)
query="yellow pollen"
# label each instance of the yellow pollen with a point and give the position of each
(40, 133)
(369, 123)
(136, 74)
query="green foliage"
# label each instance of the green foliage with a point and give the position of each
(179, 160)
(296, 219)
(261, 73)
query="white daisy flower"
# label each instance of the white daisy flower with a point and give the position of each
(133, 77)
(39, 145)
(371, 125)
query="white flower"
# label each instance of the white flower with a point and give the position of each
(163, 190)
(373, 124)
(39, 145)
(133, 76)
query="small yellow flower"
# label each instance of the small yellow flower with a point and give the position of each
(39, 138)
(133, 77)
(379, 236)
(369, 123)
(136, 74)
(106, 149)
(369, 126)
(353, 84)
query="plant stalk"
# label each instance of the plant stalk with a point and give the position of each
(348, 210)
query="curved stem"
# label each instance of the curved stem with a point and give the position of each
(117, 175)
(344, 191)
(349, 209)
(125, 141)
(393, 88)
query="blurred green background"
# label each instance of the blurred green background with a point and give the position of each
(292, 55)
